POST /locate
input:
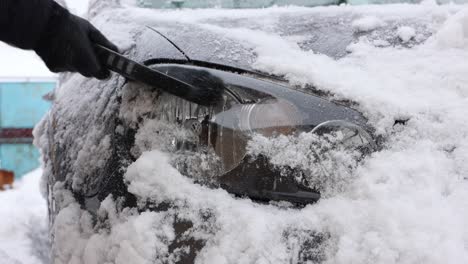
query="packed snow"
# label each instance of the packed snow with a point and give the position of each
(406, 33)
(406, 203)
(367, 23)
(24, 227)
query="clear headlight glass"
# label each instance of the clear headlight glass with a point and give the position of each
(255, 106)
(348, 135)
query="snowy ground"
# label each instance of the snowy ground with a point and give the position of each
(23, 218)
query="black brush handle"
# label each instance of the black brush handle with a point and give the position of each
(138, 72)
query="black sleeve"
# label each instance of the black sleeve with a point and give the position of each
(23, 21)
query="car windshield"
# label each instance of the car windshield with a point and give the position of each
(264, 3)
(231, 3)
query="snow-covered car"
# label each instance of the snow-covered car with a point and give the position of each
(137, 175)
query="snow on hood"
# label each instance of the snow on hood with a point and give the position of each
(407, 203)
(203, 34)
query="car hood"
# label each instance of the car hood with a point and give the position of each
(202, 34)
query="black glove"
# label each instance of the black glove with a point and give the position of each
(67, 45)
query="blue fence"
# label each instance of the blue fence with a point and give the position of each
(21, 107)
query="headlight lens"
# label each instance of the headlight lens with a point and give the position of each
(251, 106)
(270, 117)
(228, 129)
(348, 135)
(234, 127)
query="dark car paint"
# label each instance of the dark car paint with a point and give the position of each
(150, 47)
(112, 176)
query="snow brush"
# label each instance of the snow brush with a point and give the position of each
(203, 89)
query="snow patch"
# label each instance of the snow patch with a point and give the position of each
(131, 238)
(232, 230)
(23, 229)
(454, 33)
(322, 162)
(367, 23)
(406, 33)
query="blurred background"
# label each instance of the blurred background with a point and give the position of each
(24, 83)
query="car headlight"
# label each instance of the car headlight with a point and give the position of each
(270, 117)
(349, 135)
(235, 126)
(256, 106)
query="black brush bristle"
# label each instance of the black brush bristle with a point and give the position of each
(208, 89)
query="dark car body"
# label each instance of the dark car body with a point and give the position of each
(91, 136)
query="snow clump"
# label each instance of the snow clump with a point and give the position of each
(324, 163)
(406, 33)
(367, 23)
(23, 228)
(454, 33)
